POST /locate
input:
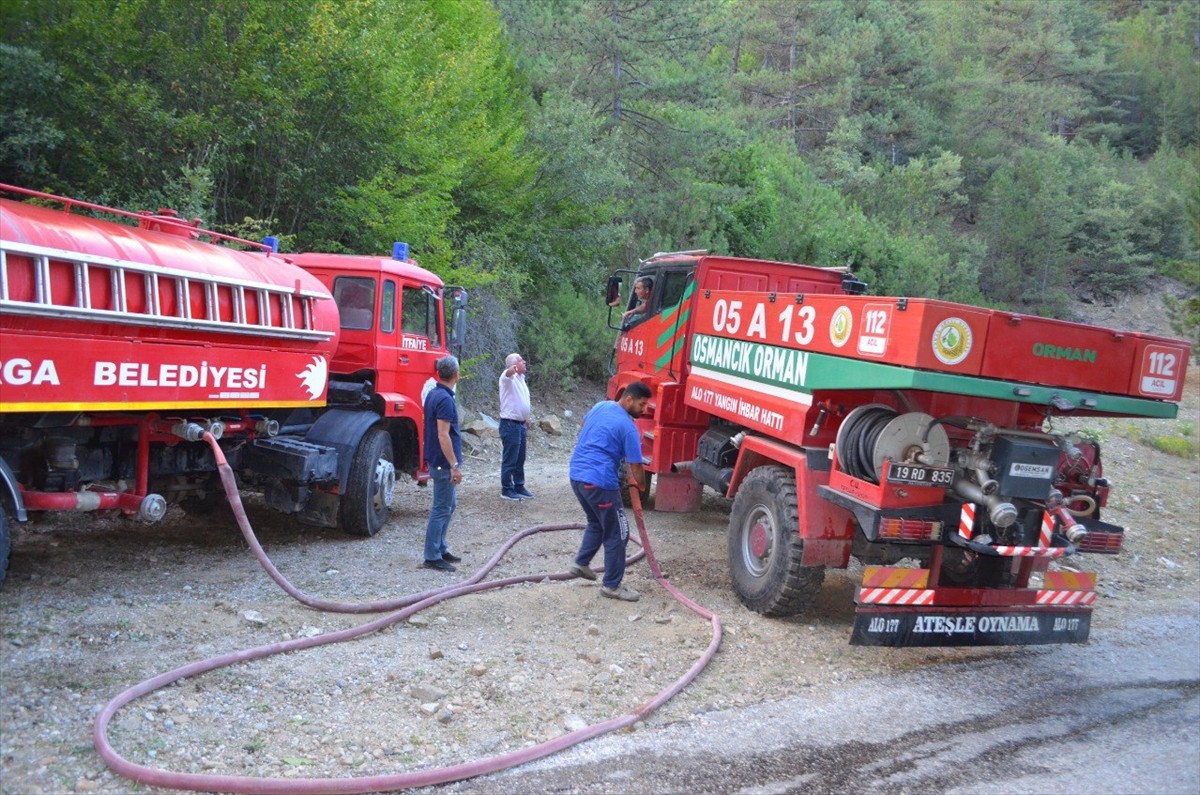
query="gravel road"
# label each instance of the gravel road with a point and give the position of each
(93, 606)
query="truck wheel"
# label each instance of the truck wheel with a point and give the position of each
(4, 546)
(765, 546)
(364, 506)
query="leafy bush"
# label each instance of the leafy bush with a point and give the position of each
(568, 338)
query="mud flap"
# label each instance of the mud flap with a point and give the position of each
(888, 626)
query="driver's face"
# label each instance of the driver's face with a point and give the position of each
(640, 289)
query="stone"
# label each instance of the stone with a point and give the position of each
(551, 424)
(425, 693)
(435, 653)
(254, 617)
(481, 429)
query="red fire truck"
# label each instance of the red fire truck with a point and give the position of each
(914, 435)
(121, 345)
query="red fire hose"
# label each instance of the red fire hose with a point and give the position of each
(403, 608)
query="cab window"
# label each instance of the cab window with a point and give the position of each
(355, 298)
(387, 308)
(673, 284)
(418, 314)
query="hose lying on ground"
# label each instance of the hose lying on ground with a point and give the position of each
(403, 608)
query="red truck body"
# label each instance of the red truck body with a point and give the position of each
(891, 430)
(122, 345)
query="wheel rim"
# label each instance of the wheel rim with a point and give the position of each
(758, 540)
(385, 485)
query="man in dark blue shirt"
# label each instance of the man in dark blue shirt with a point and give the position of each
(443, 455)
(608, 436)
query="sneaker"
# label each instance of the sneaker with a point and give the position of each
(582, 571)
(523, 493)
(439, 565)
(620, 592)
(508, 495)
(450, 557)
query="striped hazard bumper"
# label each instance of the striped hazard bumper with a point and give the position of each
(896, 607)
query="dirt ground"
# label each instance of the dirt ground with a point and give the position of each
(91, 607)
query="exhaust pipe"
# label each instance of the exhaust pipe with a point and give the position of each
(715, 477)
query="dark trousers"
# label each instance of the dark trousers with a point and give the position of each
(512, 462)
(606, 526)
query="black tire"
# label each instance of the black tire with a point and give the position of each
(4, 545)
(365, 505)
(765, 547)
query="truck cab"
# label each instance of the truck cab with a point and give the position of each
(392, 314)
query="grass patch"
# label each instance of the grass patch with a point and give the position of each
(1180, 446)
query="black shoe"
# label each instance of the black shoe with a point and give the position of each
(508, 495)
(450, 557)
(523, 493)
(440, 565)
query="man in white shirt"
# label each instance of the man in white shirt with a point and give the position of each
(514, 422)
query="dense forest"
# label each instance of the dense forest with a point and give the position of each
(1021, 153)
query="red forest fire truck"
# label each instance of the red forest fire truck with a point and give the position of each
(120, 346)
(915, 435)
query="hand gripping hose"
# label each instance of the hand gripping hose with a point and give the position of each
(403, 608)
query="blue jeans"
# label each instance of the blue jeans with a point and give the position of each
(606, 526)
(444, 503)
(512, 463)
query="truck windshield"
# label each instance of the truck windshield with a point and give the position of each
(355, 297)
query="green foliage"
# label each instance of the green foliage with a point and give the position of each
(1008, 153)
(568, 337)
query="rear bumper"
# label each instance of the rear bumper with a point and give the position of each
(888, 625)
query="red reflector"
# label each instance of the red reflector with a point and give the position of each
(909, 529)
(1105, 543)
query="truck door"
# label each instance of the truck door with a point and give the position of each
(653, 342)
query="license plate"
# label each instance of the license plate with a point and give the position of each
(920, 475)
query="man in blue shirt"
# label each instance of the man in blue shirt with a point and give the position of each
(608, 436)
(443, 455)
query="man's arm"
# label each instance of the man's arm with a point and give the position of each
(637, 476)
(448, 450)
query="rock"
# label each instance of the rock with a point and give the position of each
(418, 621)
(430, 708)
(254, 617)
(481, 429)
(478, 669)
(593, 629)
(574, 723)
(551, 425)
(445, 715)
(435, 653)
(426, 693)
(593, 657)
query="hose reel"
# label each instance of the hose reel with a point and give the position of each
(875, 432)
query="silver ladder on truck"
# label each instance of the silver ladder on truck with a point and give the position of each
(135, 293)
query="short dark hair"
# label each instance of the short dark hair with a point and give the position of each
(646, 282)
(637, 390)
(447, 367)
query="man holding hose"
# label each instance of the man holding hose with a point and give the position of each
(608, 436)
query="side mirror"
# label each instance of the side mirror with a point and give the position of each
(614, 290)
(459, 322)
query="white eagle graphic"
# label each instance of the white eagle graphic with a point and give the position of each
(313, 377)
